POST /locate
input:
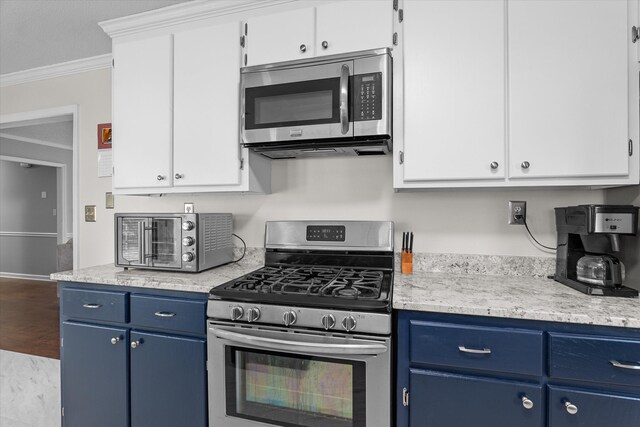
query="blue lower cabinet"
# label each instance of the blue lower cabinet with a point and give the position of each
(168, 382)
(571, 408)
(440, 399)
(94, 374)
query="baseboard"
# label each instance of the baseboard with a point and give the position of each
(25, 276)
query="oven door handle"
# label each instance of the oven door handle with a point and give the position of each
(307, 347)
(344, 99)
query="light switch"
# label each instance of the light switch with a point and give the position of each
(109, 200)
(90, 213)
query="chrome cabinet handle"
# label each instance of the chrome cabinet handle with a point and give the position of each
(527, 403)
(494, 165)
(570, 407)
(92, 305)
(160, 177)
(525, 165)
(179, 176)
(115, 340)
(303, 48)
(135, 344)
(164, 314)
(474, 350)
(624, 365)
(325, 44)
(344, 98)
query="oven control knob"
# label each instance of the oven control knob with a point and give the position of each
(236, 313)
(328, 321)
(187, 257)
(349, 323)
(253, 314)
(187, 225)
(187, 241)
(289, 318)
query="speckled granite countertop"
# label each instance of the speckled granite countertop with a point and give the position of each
(517, 297)
(156, 279)
(498, 286)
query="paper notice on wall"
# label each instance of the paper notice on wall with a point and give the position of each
(105, 163)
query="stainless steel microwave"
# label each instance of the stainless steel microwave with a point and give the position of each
(337, 104)
(180, 242)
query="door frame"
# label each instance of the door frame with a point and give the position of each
(52, 115)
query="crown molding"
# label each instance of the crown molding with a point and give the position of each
(56, 70)
(182, 13)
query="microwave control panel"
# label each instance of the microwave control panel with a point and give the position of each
(368, 97)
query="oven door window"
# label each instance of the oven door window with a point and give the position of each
(131, 241)
(292, 390)
(166, 241)
(312, 102)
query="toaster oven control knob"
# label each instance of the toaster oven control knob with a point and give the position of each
(349, 323)
(289, 318)
(328, 321)
(253, 314)
(236, 313)
(187, 241)
(187, 257)
(187, 225)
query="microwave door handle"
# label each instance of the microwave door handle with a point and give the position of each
(307, 347)
(344, 99)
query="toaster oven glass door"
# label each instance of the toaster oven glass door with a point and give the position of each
(131, 241)
(165, 243)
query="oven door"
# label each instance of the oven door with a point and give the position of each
(299, 103)
(265, 376)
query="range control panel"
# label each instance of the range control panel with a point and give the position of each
(325, 233)
(368, 97)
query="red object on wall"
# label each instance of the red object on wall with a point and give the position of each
(104, 136)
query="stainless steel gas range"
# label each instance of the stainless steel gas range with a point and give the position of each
(305, 341)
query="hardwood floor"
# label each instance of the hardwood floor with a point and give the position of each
(29, 317)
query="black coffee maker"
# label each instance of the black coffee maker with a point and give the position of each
(588, 238)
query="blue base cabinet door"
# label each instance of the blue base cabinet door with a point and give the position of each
(94, 376)
(571, 408)
(439, 399)
(168, 385)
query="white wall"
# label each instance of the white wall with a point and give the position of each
(444, 221)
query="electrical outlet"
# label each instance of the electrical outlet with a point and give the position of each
(517, 209)
(188, 208)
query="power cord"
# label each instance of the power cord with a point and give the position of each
(524, 221)
(243, 244)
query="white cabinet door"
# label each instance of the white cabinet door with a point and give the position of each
(206, 79)
(142, 90)
(281, 36)
(568, 88)
(454, 90)
(353, 25)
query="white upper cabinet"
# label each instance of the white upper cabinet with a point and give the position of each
(332, 28)
(142, 113)
(516, 93)
(568, 88)
(454, 90)
(206, 105)
(351, 26)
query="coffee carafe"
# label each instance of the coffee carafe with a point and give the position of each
(589, 243)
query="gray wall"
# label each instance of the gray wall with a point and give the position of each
(631, 257)
(23, 210)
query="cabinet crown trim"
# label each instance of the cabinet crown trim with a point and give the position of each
(182, 13)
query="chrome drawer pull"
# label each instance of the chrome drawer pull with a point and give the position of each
(624, 365)
(92, 305)
(164, 314)
(570, 407)
(527, 403)
(474, 350)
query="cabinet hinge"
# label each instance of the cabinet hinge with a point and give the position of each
(401, 157)
(241, 163)
(395, 5)
(401, 15)
(630, 148)
(242, 41)
(395, 39)
(245, 59)
(405, 397)
(246, 29)
(61, 342)
(63, 411)
(635, 34)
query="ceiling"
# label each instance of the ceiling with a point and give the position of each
(36, 33)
